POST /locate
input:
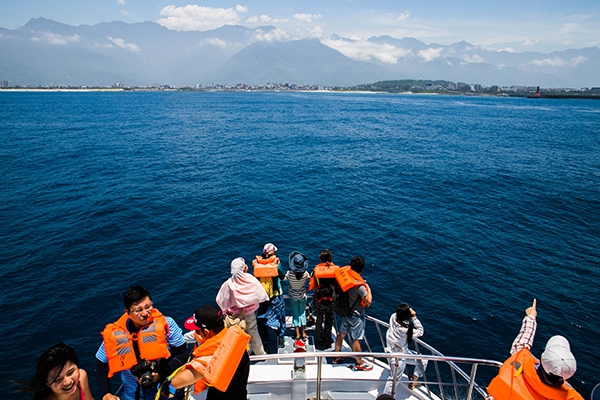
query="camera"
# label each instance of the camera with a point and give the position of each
(144, 369)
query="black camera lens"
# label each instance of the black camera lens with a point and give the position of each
(147, 379)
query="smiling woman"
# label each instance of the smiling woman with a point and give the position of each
(58, 376)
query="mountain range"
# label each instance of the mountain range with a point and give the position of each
(45, 52)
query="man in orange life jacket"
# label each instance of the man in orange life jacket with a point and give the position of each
(209, 330)
(141, 334)
(354, 325)
(523, 377)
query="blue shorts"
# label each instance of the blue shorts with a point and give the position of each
(354, 327)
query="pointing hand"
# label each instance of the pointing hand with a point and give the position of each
(531, 310)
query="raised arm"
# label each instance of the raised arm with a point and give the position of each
(527, 333)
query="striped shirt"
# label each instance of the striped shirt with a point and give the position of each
(297, 289)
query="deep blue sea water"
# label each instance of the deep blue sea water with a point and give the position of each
(465, 207)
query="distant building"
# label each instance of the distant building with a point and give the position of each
(3, 83)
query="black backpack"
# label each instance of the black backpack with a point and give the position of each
(343, 304)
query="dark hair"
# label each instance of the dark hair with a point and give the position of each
(299, 275)
(404, 318)
(134, 295)
(53, 357)
(357, 264)
(325, 255)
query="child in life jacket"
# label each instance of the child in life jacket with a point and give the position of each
(297, 276)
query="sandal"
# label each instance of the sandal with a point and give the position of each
(414, 383)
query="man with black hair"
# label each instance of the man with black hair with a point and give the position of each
(354, 325)
(209, 331)
(142, 342)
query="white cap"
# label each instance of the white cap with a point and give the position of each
(557, 359)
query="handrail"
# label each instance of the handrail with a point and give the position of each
(452, 363)
(436, 357)
(319, 355)
(353, 354)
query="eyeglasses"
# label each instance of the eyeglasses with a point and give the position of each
(139, 311)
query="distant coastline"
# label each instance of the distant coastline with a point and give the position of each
(404, 87)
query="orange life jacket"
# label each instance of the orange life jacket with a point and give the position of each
(218, 357)
(518, 380)
(347, 278)
(151, 340)
(265, 267)
(321, 271)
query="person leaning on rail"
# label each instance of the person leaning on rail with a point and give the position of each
(143, 345)
(524, 377)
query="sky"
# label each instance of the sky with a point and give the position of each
(512, 25)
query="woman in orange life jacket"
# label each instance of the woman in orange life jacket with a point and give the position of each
(58, 377)
(272, 312)
(323, 300)
(523, 377)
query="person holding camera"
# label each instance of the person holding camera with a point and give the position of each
(210, 333)
(144, 345)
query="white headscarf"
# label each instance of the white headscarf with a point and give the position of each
(242, 290)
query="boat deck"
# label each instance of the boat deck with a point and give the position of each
(275, 376)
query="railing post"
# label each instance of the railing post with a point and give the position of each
(395, 376)
(472, 380)
(439, 379)
(319, 360)
(453, 373)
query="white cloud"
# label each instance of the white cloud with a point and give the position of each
(476, 59)
(578, 60)
(403, 16)
(558, 62)
(121, 43)
(199, 18)
(216, 42)
(105, 45)
(497, 50)
(264, 19)
(55, 38)
(121, 2)
(124, 12)
(430, 54)
(364, 50)
(307, 17)
(531, 42)
(275, 35)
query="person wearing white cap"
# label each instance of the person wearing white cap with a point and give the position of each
(524, 377)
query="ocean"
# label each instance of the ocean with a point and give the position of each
(467, 208)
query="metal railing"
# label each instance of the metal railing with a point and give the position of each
(450, 382)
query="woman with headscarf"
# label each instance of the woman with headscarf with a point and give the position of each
(240, 296)
(298, 276)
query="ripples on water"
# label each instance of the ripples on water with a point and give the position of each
(467, 208)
